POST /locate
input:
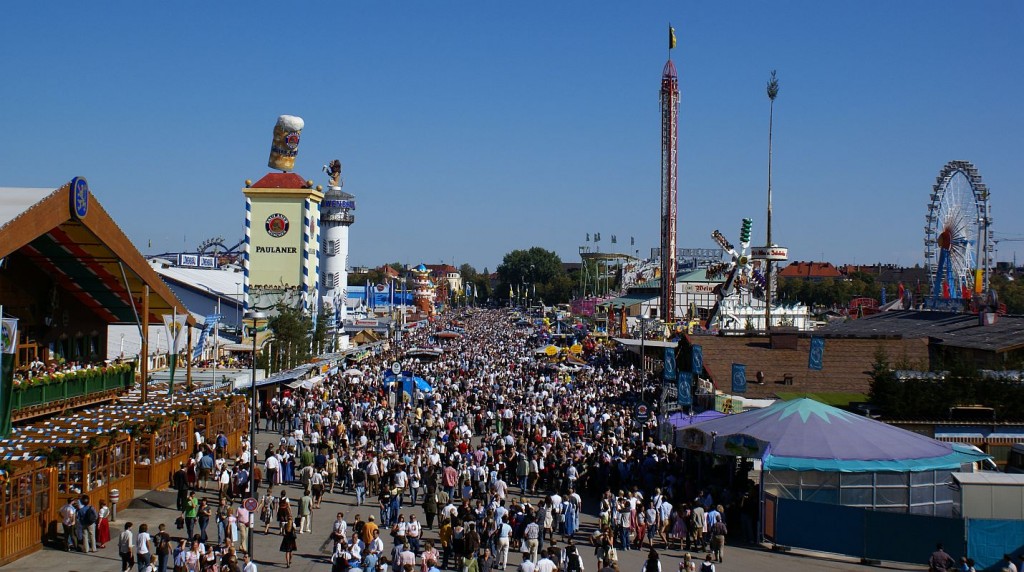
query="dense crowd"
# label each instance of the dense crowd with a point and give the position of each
(496, 452)
(501, 449)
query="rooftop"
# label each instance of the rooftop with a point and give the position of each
(945, 329)
(280, 181)
(847, 363)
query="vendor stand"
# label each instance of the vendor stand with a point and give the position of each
(90, 456)
(27, 496)
(162, 436)
(227, 413)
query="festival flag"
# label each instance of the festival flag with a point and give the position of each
(8, 346)
(816, 357)
(669, 373)
(739, 378)
(684, 388)
(671, 37)
(174, 325)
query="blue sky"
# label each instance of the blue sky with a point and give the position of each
(468, 129)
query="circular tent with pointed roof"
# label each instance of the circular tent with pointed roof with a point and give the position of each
(812, 451)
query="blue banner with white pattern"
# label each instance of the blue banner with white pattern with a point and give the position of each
(670, 364)
(684, 391)
(697, 357)
(816, 358)
(739, 378)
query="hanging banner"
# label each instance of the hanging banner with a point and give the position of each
(208, 326)
(669, 373)
(816, 357)
(8, 346)
(739, 378)
(175, 325)
(9, 336)
(684, 388)
(697, 358)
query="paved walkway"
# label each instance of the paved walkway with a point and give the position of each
(157, 507)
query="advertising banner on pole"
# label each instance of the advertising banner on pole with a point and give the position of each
(684, 385)
(697, 357)
(739, 378)
(816, 357)
(670, 364)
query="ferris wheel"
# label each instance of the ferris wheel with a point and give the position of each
(957, 237)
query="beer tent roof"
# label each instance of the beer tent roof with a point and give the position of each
(83, 253)
(804, 435)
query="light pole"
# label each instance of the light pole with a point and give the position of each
(643, 335)
(254, 317)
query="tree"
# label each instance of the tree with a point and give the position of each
(534, 268)
(291, 344)
(320, 332)
(468, 273)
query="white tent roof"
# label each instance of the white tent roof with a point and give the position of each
(16, 200)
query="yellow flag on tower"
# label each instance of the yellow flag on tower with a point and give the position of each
(671, 37)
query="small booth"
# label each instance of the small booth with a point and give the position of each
(162, 437)
(160, 448)
(27, 497)
(90, 456)
(225, 412)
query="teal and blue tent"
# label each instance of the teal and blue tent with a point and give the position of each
(806, 435)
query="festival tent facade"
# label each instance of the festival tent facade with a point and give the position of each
(815, 452)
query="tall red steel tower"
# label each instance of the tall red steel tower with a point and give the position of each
(669, 189)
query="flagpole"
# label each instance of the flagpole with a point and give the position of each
(216, 333)
(172, 340)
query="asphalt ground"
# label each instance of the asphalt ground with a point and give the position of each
(155, 507)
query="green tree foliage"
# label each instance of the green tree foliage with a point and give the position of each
(535, 266)
(932, 400)
(320, 332)
(291, 342)
(832, 293)
(375, 276)
(1011, 293)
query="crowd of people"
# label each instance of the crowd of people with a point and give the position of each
(496, 452)
(501, 450)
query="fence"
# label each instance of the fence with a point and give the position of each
(861, 533)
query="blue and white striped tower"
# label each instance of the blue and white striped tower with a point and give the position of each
(335, 218)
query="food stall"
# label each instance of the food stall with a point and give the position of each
(27, 497)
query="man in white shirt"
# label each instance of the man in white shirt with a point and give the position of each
(250, 566)
(504, 537)
(546, 564)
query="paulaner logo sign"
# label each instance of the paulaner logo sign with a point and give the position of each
(277, 225)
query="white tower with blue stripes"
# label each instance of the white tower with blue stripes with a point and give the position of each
(335, 218)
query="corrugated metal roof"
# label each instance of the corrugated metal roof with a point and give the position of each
(945, 329)
(226, 283)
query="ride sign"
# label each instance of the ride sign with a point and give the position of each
(396, 368)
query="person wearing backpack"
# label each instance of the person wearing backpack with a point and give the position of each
(708, 565)
(88, 517)
(573, 561)
(162, 540)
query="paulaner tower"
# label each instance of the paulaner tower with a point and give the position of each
(669, 190)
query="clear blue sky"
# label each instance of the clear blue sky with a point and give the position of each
(468, 129)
